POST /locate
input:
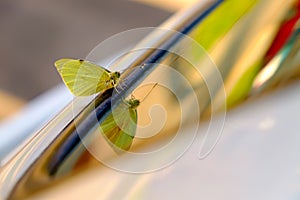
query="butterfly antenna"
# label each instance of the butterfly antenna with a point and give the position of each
(149, 92)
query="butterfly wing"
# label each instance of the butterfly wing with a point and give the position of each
(120, 126)
(82, 77)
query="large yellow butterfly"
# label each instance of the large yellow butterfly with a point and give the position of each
(84, 78)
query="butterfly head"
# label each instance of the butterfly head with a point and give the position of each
(115, 76)
(133, 103)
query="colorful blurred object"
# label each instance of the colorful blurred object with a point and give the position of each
(243, 37)
(284, 32)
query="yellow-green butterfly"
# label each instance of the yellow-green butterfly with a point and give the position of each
(84, 78)
(120, 126)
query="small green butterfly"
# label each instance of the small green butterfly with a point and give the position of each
(119, 127)
(84, 78)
